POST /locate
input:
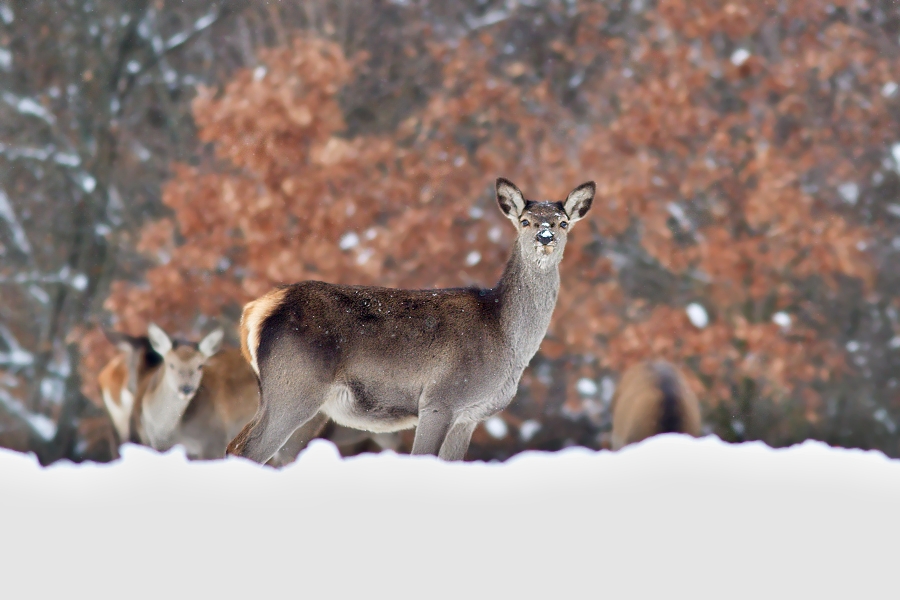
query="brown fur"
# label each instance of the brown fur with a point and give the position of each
(653, 398)
(225, 401)
(113, 377)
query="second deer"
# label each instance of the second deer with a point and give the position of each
(383, 359)
(198, 397)
(653, 398)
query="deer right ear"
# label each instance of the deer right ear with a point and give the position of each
(159, 339)
(510, 199)
(211, 343)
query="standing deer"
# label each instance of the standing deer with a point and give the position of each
(383, 359)
(653, 398)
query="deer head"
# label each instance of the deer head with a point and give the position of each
(543, 226)
(183, 364)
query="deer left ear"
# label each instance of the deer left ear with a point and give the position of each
(579, 200)
(211, 343)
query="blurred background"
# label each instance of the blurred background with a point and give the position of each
(170, 160)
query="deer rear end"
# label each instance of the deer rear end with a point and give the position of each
(653, 398)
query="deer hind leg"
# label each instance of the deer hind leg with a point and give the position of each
(282, 409)
(457, 441)
(299, 440)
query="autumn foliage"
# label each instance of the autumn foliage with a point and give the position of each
(732, 147)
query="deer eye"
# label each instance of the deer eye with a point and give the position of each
(563, 224)
(525, 223)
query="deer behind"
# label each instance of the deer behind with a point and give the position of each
(383, 359)
(119, 379)
(653, 398)
(198, 396)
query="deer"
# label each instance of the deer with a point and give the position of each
(118, 380)
(653, 398)
(199, 396)
(384, 359)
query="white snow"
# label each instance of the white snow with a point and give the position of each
(586, 386)
(41, 424)
(79, 282)
(473, 258)
(739, 57)
(849, 192)
(496, 427)
(852, 346)
(888, 89)
(5, 59)
(895, 153)
(348, 240)
(782, 319)
(697, 315)
(88, 183)
(28, 106)
(528, 429)
(9, 215)
(6, 13)
(607, 389)
(655, 520)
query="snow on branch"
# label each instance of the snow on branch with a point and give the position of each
(17, 356)
(78, 281)
(29, 106)
(9, 215)
(66, 159)
(40, 424)
(204, 22)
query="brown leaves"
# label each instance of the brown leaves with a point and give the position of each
(701, 155)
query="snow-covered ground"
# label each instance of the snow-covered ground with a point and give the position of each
(672, 517)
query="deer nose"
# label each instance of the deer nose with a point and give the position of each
(545, 236)
(186, 389)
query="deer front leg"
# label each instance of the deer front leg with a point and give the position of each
(457, 441)
(434, 423)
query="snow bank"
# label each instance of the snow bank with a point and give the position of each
(672, 516)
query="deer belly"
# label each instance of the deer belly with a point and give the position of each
(360, 411)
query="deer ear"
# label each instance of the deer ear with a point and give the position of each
(579, 200)
(211, 343)
(510, 199)
(159, 339)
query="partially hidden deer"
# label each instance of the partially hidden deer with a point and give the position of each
(118, 380)
(199, 396)
(653, 398)
(382, 359)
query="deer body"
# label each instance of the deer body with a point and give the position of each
(653, 398)
(383, 359)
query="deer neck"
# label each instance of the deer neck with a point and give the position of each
(528, 292)
(162, 411)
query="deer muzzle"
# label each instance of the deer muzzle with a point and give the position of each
(546, 240)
